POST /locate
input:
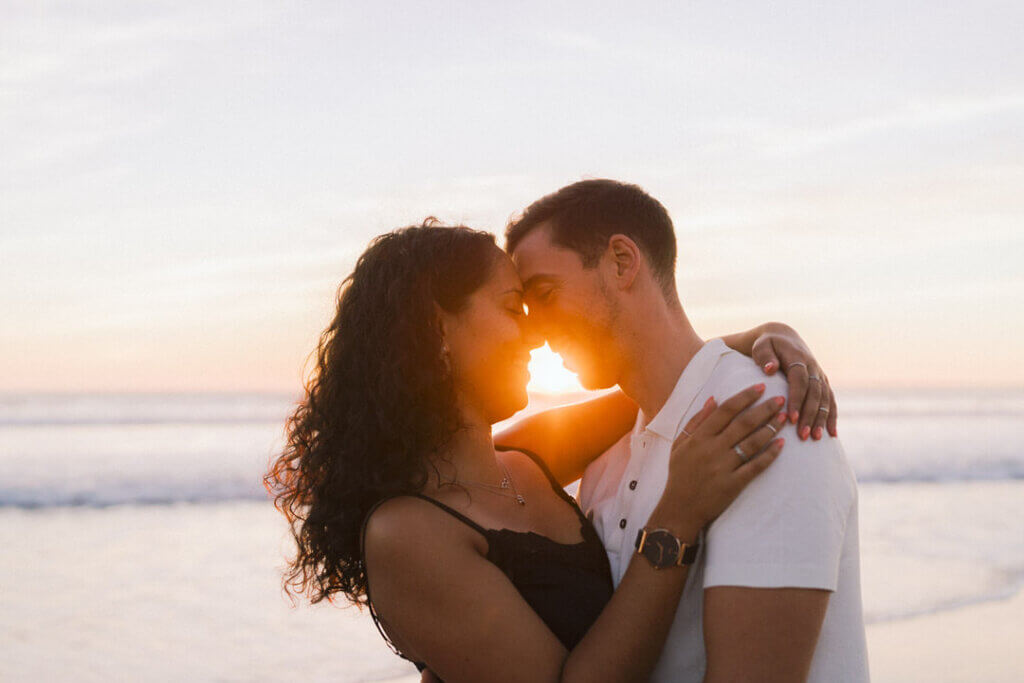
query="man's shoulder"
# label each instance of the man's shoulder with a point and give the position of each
(735, 372)
(820, 463)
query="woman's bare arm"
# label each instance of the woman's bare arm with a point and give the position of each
(568, 438)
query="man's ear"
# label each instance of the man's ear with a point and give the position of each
(625, 260)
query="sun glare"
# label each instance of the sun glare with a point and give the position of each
(548, 375)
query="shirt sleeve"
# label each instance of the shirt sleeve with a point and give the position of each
(787, 528)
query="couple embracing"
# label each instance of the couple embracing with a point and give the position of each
(715, 532)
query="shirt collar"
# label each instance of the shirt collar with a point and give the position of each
(692, 379)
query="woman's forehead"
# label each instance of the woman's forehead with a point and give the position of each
(505, 276)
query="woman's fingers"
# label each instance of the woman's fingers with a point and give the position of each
(694, 423)
(720, 418)
(755, 443)
(822, 411)
(696, 420)
(812, 399)
(750, 420)
(833, 412)
(796, 375)
(758, 464)
(763, 353)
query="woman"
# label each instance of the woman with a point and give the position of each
(482, 567)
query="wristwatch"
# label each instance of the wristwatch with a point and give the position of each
(663, 550)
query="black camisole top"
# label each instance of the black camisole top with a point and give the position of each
(567, 585)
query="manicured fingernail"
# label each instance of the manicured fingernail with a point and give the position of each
(779, 401)
(780, 418)
(817, 433)
(782, 442)
(769, 366)
(759, 388)
(804, 431)
(711, 399)
(793, 416)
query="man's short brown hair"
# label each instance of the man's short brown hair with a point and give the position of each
(583, 217)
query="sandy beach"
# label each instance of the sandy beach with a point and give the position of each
(975, 643)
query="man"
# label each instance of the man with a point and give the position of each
(774, 591)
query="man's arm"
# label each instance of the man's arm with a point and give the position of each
(761, 634)
(772, 560)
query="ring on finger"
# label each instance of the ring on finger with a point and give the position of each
(823, 409)
(771, 426)
(739, 451)
(796, 362)
(813, 378)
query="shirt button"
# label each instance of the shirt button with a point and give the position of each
(622, 524)
(632, 485)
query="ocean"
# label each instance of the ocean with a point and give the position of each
(138, 542)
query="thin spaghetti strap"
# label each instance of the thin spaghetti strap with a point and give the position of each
(454, 513)
(540, 463)
(547, 472)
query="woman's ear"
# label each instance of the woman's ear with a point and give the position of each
(624, 255)
(439, 320)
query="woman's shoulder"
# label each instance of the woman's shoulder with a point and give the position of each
(392, 524)
(409, 524)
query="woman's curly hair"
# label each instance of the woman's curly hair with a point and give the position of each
(379, 401)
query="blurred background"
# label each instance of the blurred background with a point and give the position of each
(183, 186)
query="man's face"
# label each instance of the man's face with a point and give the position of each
(570, 305)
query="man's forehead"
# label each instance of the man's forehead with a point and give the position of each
(537, 256)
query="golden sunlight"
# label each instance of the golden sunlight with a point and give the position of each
(548, 375)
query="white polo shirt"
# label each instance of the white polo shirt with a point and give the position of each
(794, 526)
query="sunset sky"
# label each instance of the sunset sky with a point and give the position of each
(184, 184)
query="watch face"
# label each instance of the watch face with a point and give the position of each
(661, 548)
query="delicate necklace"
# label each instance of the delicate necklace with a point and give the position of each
(500, 489)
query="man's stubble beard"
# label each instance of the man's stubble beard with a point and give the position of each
(607, 327)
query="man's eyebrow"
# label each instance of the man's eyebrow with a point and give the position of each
(537, 279)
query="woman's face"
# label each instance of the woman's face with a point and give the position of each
(489, 344)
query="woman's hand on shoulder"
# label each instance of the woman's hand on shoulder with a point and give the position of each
(721, 450)
(812, 402)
